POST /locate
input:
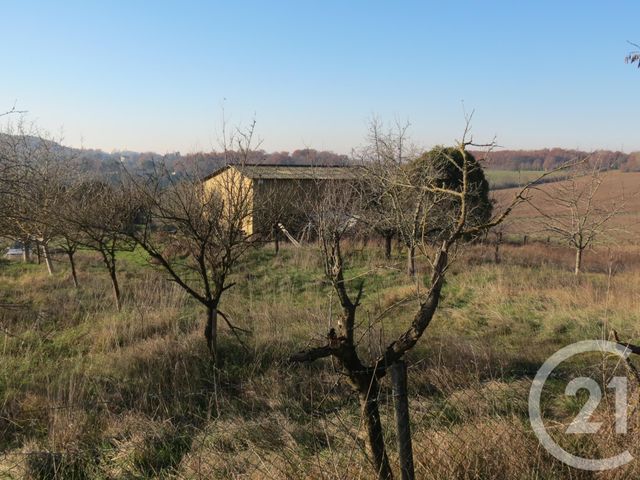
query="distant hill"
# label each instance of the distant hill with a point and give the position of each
(506, 160)
(93, 160)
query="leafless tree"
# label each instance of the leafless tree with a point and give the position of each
(68, 232)
(196, 232)
(102, 221)
(571, 211)
(35, 176)
(376, 210)
(388, 152)
(342, 344)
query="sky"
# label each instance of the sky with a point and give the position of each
(157, 76)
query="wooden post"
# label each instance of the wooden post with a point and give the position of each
(276, 239)
(403, 429)
(47, 257)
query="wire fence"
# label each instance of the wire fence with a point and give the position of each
(463, 427)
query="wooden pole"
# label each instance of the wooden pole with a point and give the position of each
(276, 239)
(403, 429)
(496, 254)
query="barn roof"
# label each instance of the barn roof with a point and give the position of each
(292, 172)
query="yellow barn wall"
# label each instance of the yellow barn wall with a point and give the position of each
(229, 184)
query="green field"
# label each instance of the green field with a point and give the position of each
(499, 179)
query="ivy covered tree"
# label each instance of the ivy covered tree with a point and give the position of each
(457, 170)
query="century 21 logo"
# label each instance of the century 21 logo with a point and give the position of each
(582, 423)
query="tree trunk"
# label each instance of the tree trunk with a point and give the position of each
(211, 331)
(411, 261)
(38, 253)
(578, 261)
(371, 414)
(72, 263)
(26, 252)
(47, 258)
(110, 262)
(388, 241)
(116, 287)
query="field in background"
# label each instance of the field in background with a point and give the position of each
(500, 179)
(616, 185)
(98, 394)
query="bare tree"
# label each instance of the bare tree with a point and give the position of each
(35, 177)
(342, 344)
(375, 211)
(197, 231)
(102, 221)
(570, 211)
(390, 151)
(69, 235)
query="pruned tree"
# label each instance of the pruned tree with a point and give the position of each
(401, 207)
(68, 232)
(389, 150)
(104, 218)
(574, 213)
(375, 212)
(196, 232)
(41, 198)
(341, 344)
(35, 176)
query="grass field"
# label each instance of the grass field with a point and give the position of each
(500, 179)
(90, 393)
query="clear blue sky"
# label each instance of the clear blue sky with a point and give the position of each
(153, 75)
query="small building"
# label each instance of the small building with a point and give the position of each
(275, 194)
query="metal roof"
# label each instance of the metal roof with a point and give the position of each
(292, 172)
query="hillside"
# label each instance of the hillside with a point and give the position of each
(616, 187)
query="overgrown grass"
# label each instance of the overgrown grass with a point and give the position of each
(86, 392)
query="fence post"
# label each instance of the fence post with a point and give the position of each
(403, 430)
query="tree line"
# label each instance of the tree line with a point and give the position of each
(552, 158)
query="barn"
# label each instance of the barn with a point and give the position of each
(277, 193)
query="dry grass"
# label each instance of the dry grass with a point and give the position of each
(96, 394)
